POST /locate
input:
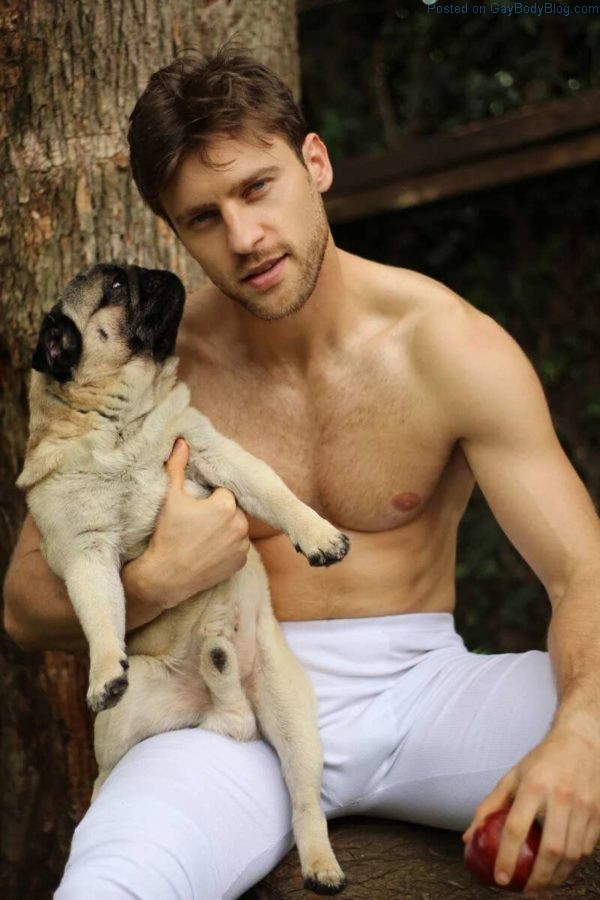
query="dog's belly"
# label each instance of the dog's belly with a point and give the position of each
(186, 673)
(146, 491)
(245, 648)
(190, 687)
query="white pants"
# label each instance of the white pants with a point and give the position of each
(413, 727)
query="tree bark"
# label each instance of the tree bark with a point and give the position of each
(70, 76)
(385, 860)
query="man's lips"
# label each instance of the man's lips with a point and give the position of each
(267, 273)
(258, 270)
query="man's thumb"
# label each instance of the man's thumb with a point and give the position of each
(177, 462)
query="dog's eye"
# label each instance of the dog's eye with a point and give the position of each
(103, 334)
(117, 283)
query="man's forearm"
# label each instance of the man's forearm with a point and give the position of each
(39, 614)
(574, 647)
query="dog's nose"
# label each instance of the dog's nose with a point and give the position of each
(59, 346)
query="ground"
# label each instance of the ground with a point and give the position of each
(385, 860)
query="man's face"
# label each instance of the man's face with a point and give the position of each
(254, 220)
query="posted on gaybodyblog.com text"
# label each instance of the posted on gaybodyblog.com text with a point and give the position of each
(434, 7)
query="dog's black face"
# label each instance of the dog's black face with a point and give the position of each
(109, 311)
(59, 346)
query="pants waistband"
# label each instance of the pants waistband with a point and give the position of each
(373, 646)
(399, 622)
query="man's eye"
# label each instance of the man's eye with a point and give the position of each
(202, 217)
(256, 187)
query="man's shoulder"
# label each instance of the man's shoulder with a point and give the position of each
(403, 293)
(449, 339)
(458, 335)
(469, 364)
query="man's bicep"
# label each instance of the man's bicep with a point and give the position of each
(540, 503)
(27, 542)
(497, 404)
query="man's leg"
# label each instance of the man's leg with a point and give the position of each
(478, 716)
(187, 815)
(413, 726)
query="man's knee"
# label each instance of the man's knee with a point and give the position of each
(139, 869)
(93, 887)
(181, 817)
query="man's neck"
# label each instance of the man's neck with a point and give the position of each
(323, 321)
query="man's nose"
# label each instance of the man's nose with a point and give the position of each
(243, 232)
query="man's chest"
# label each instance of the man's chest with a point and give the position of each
(357, 441)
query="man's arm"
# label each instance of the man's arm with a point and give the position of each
(496, 408)
(496, 405)
(38, 614)
(195, 545)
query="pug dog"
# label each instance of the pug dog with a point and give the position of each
(105, 410)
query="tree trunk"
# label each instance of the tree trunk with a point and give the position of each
(385, 860)
(70, 76)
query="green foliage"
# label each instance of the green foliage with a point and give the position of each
(362, 60)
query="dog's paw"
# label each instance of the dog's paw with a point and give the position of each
(108, 683)
(325, 879)
(327, 547)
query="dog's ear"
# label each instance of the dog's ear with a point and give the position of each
(155, 321)
(59, 346)
(155, 330)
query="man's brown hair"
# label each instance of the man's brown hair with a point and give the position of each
(196, 97)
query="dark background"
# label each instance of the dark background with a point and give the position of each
(526, 253)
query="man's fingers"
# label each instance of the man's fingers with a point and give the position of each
(552, 847)
(580, 842)
(592, 835)
(562, 872)
(499, 797)
(177, 462)
(516, 828)
(224, 499)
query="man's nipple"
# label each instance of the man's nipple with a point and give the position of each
(406, 501)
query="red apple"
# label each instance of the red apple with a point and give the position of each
(482, 849)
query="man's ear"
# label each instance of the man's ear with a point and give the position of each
(317, 161)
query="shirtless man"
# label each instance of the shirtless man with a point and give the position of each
(380, 396)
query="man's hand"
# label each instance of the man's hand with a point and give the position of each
(196, 543)
(558, 780)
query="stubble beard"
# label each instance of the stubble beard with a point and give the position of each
(299, 293)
